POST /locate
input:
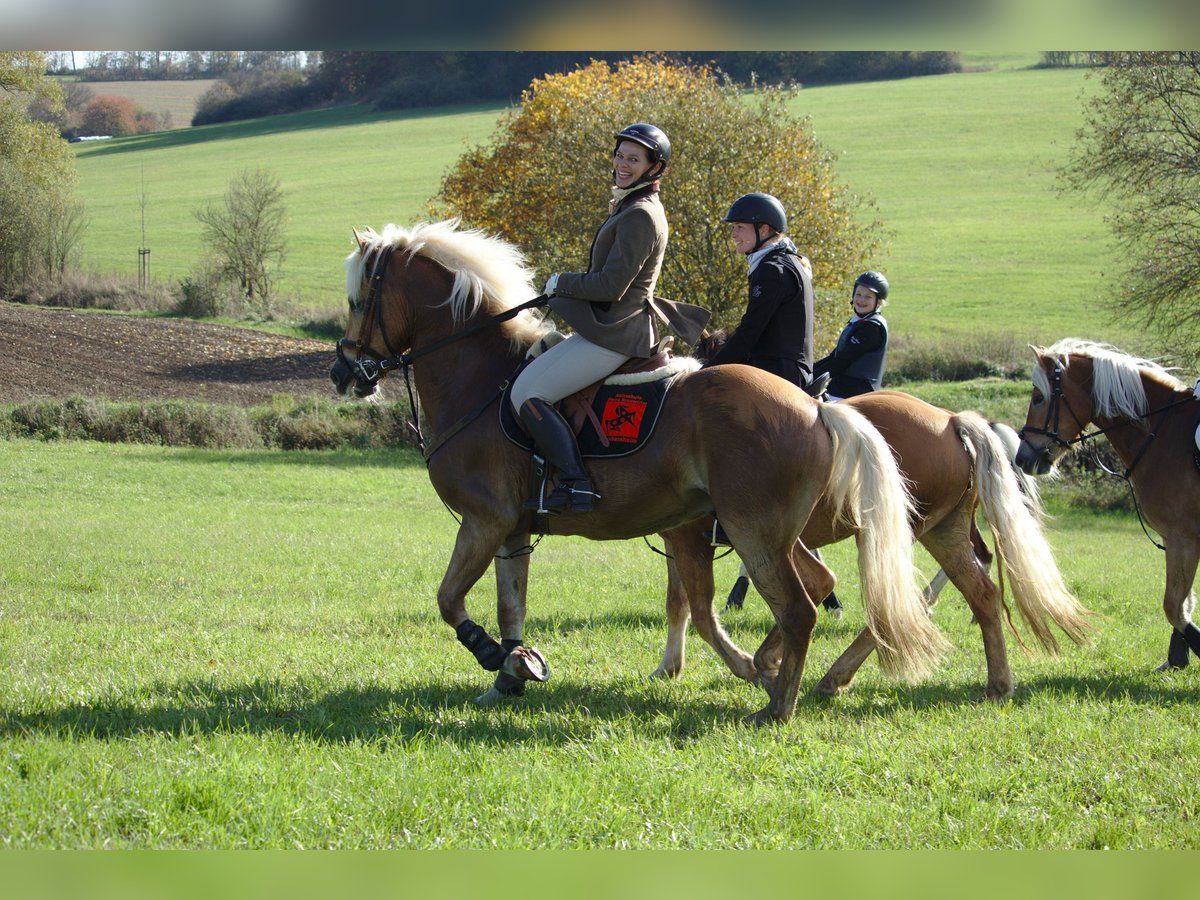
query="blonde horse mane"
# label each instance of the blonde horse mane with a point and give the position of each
(1117, 388)
(483, 266)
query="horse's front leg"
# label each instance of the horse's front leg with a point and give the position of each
(678, 617)
(474, 548)
(522, 663)
(1183, 554)
(693, 558)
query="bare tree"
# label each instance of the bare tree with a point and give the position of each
(245, 234)
(1140, 149)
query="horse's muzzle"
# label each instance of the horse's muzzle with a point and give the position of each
(1032, 460)
(357, 376)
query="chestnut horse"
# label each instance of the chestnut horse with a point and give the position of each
(1149, 418)
(451, 296)
(953, 463)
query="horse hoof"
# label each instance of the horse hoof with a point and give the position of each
(1169, 666)
(998, 695)
(760, 719)
(489, 697)
(504, 687)
(826, 688)
(528, 664)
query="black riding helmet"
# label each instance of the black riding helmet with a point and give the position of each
(873, 281)
(655, 140)
(758, 209)
(649, 136)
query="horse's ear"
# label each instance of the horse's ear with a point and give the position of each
(359, 239)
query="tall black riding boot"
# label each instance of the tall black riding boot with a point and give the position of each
(556, 441)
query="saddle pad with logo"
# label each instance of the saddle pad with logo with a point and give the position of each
(617, 421)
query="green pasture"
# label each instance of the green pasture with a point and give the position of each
(961, 169)
(218, 649)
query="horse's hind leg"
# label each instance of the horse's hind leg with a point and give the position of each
(795, 614)
(818, 581)
(846, 666)
(967, 569)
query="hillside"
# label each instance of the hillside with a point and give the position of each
(177, 98)
(57, 353)
(961, 171)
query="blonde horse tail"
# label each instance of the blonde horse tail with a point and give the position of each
(867, 490)
(1015, 516)
(1011, 442)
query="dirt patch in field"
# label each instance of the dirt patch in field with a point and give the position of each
(57, 353)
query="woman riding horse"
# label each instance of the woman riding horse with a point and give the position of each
(609, 306)
(448, 301)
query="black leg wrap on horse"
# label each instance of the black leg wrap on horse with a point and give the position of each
(1177, 652)
(487, 652)
(1191, 634)
(510, 644)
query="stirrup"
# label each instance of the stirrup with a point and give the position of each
(573, 496)
(718, 537)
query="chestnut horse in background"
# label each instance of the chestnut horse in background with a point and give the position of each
(953, 462)
(440, 303)
(1149, 418)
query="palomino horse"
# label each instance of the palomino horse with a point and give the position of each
(952, 462)
(434, 288)
(1149, 418)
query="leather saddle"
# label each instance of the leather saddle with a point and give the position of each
(611, 417)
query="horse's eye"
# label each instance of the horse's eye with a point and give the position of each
(1038, 397)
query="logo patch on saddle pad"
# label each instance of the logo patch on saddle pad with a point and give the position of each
(622, 418)
(608, 419)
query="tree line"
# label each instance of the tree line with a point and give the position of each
(138, 65)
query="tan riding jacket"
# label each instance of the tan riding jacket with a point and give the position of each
(613, 303)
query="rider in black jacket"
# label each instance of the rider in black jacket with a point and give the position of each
(857, 361)
(775, 332)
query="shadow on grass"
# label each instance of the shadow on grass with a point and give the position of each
(555, 714)
(1150, 689)
(562, 712)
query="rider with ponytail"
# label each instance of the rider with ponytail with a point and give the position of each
(611, 308)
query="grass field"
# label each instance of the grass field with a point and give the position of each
(962, 167)
(212, 649)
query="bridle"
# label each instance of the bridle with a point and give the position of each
(1057, 401)
(367, 371)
